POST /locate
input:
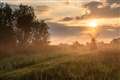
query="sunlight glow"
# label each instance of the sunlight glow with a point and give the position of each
(93, 24)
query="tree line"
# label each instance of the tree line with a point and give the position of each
(20, 27)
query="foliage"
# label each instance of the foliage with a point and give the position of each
(21, 24)
(41, 34)
(6, 31)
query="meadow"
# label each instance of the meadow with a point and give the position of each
(61, 64)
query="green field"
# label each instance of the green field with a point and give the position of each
(61, 64)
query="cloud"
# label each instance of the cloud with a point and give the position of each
(41, 8)
(108, 33)
(60, 30)
(41, 11)
(18, 1)
(93, 4)
(67, 19)
(99, 10)
(113, 1)
(59, 33)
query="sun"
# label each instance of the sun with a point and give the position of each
(92, 24)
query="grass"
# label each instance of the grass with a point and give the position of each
(58, 64)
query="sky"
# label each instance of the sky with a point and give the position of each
(70, 20)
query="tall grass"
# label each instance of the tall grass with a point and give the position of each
(62, 65)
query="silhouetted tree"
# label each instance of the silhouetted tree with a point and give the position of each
(116, 43)
(21, 26)
(28, 29)
(41, 33)
(93, 44)
(7, 37)
(76, 45)
(24, 17)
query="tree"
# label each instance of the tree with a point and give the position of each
(41, 33)
(28, 28)
(77, 45)
(116, 43)
(21, 26)
(93, 44)
(7, 37)
(24, 17)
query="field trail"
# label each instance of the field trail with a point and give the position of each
(61, 64)
(46, 64)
